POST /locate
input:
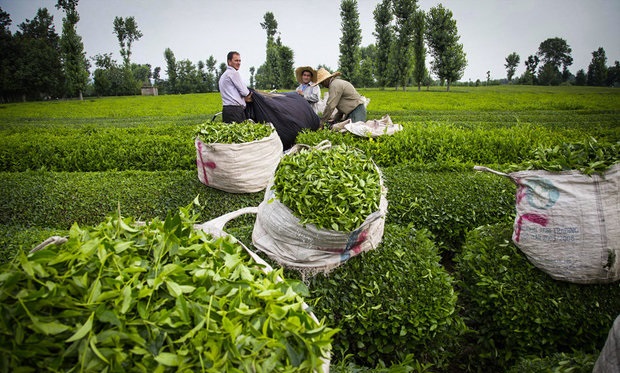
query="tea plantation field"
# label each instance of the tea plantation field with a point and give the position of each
(447, 290)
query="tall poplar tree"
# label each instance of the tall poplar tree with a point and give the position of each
(277, 71)
(126, 30)
(350, 41)
(449, 60)
(384, 35)
(512, 61)
(267, 74)
(597, 69)
(172, 70)
(402, 52)
(419, 50)
(74, 62)
(286, 79)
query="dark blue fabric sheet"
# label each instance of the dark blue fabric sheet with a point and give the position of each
(288, 112)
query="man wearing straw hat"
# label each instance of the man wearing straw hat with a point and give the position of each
(305, 76)
(342, 96)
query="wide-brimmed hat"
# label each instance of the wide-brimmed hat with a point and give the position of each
(322, 74)
(300, 70)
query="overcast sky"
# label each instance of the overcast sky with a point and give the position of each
(195, 29)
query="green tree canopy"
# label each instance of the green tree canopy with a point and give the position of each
(554, 52)
(126, 30)
(419, 50)
(350, 41)
(8, 82)
(270, 25)
(39, 68)
(597, 69)
(402, 48)
(277, 71)
(74, 62)
(512, 61)
(384, 35)
(171, 71)
(449, 60)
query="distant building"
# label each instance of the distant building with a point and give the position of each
(149, 90)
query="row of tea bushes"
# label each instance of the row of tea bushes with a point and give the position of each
(428, 142)
(517, 311)
(167, 148)
(58, 199)
(163, 148)
(446, 203)
(397, 305)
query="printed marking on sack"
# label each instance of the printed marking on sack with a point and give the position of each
(549, 234)
(539, 193)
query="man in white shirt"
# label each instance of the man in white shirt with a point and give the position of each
(234, 93)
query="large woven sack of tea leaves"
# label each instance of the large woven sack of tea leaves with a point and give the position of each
(238, 168)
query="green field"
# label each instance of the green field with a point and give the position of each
(76, 162)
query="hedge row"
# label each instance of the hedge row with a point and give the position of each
(99, 149)
(506, 314)
(446, 203)
(429, 142)
(516, 310)
(171, 147)
(58, 199)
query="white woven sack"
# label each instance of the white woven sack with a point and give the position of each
(278, 233)
(238, 168)
(369, 128)
(567, 223)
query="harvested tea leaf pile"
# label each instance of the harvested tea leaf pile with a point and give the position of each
(159, 297)
(588, 156)
(236, 133)
(335, 188)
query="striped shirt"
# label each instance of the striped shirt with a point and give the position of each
(232, 88)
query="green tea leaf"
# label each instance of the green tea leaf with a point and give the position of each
(83, 330)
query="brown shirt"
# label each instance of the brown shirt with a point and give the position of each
(342, 96)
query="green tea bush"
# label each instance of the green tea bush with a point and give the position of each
(155, 297)
(516, 310)
(390, 302)
(59, 199)
(587, 156)
(575, 362)
(99, 149)
(15, 239)
(429, 142)
(447, 203)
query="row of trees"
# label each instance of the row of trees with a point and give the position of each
(544, 67)
(398, 58)
(37, 63)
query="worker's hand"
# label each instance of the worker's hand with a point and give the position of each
(299, 91)
(248, 98)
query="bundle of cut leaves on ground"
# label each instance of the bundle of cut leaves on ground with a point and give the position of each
(153, 298)
(335, 188)
(236, 133)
